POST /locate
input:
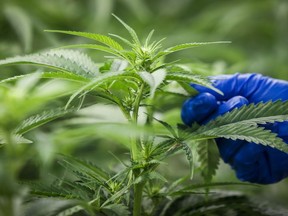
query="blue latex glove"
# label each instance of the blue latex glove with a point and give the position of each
(252, 162)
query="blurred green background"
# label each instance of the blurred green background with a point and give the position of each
(257, 29)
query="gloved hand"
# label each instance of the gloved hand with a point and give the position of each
(252, 162)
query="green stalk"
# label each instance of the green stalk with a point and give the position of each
(135, 141)
(138, 190)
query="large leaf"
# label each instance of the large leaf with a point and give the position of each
(96, 47)
(66, 60)
(260, 113)
(97, 37)
(50, 75)
(243, 123)
(194, 187)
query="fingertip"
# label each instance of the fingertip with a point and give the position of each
(235, 102)
(198, 108)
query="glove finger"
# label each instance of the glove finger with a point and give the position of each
(255, 172)
(278, 162)
(255, 163)
(254, 87)
(228, 148)
(198, 108)
(262, 164)
(224, 107)
(230, 85)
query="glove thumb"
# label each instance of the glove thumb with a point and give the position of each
(198, 108)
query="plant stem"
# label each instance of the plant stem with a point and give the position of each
(135, 141)
(138, 190)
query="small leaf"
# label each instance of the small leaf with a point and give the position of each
(17, 139)
(168, 127)
(192, 45)
(118, 209)
(209, 158)
(147, 41)
(40, 119)
(189, 156)
(86, 168)
(186, 46)
(130, 30)
(109, 76)
(153, 80)
(188, 77)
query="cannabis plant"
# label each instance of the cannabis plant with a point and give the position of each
(133, 80)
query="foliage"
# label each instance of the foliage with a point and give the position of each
(132, 81)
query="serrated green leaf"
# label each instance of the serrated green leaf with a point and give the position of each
(95, 83)
(17, 139)
(65, 60)
(97, 37)
(95, 47)
(192, 45)
(100, 80)
(249, 133)
(118, 209)
(209, 158)
(86, 168)
(48, 206)
(184, 46)
(40, 119)
(254, 114)
(192, 188)
(168, 127)
(243, 123)
(52, 75)
(189, 155)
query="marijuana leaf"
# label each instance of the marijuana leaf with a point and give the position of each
(243, 123)
(209, 158)
(70, 61)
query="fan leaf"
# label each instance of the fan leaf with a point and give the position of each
(209, 158)
(65, 60)
(108, 41)
(243, 123)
